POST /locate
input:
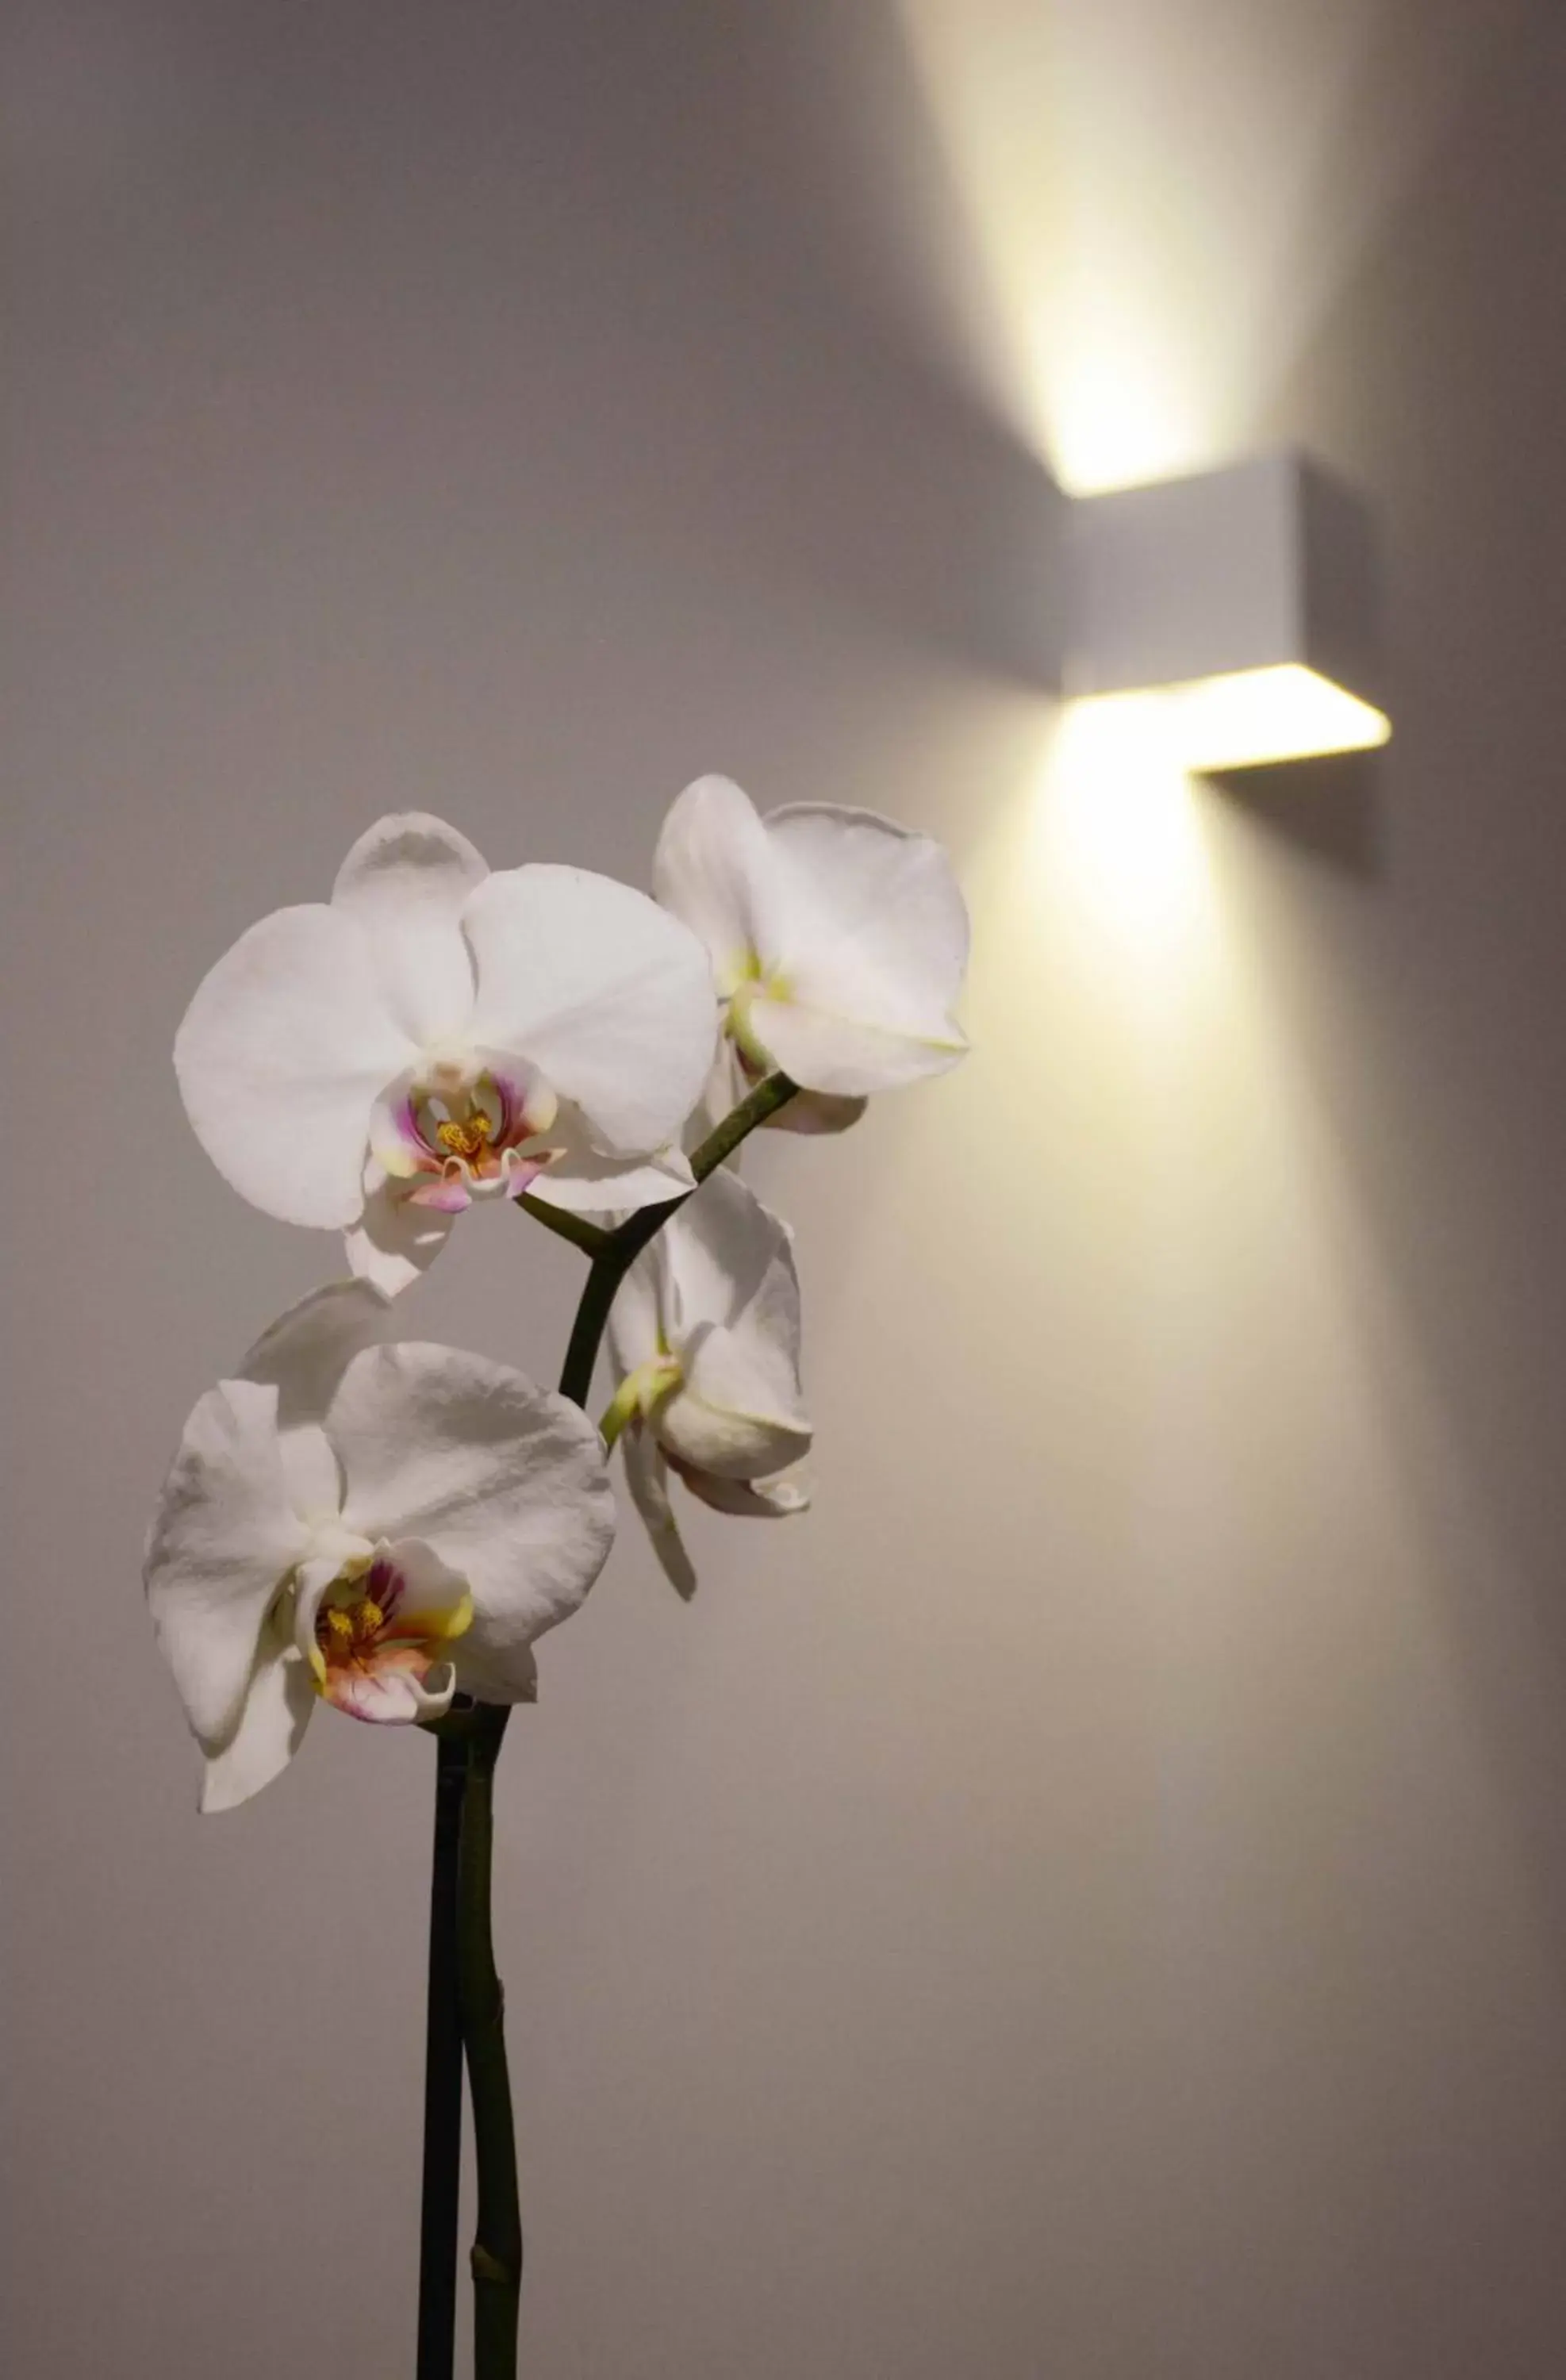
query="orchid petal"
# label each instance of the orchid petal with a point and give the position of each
(407, 880)
(839, 1056)
(718, 1252)
(310, 1467)
(647, 1477)
(504, 1480)
(270, 1728)
(739, 1413)
(394, 1240)
(635, 1318)
(394, 1694)
(224, 1538)
(582, 1183)
(876, 926)
(713, 868)
(839, 937)
(431, 1596)
(608, 994)
(718, 1288)
(305, 1353)
(777, 1498)
(507, 1673)
(279, 1056)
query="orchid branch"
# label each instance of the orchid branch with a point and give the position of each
(497, 2243)
(591, 1238)
(624, 1244)
(442, 2078)
(475, 1736)
(770, 1094)
(773, 1092)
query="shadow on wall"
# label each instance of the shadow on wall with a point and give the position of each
(1427, 1030)
(596, 241)
(1330, 809)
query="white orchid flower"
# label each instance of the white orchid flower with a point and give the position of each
(376, 1526)
(704, 1339)
(437, 1033)
(838, 943)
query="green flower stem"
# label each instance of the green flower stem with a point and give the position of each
(622, 1246)
(591, 1238)
(442, 2080)
(773, 1092)
(472, 1738)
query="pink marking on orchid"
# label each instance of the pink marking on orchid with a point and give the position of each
(457, 1135)
(370, 1658)
(446, 1195)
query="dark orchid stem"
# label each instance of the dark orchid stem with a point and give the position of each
(773, 1092)
(442, 2080)
(470, 1743)
(622, 1247)
(497, 2243)
(591, 1238)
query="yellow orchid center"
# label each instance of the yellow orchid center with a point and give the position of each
(344, 1629)
(369, 1653)
(466, 1137)
(736, 1016)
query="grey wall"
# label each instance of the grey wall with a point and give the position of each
(1090, 1900)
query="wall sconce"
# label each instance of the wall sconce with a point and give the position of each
(1240, 602)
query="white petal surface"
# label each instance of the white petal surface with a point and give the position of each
(713, 867)
(272, 1724)
(395, 1698)
(504, 1480)
(394, 1241)
(729, 1297)
(719, 1250)
(309, 1468)
(406, 880)
(305, 1353)
(581, 1183)
(635, 1321)
(507, 1674)
(225, 1537)
(777, 1498)
(835, 1054)
(875, 925)
(647, 1477)
(607, 993)
(428, 1583)
(739, 1415)
(279, 1056)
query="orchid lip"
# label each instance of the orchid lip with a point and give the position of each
(374, 1657)
(459, 1128)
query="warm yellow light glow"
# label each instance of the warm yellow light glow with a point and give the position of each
(1118, 835)
(1245, 720)
(1164, 204)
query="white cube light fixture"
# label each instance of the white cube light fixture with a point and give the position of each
(1242, 601)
